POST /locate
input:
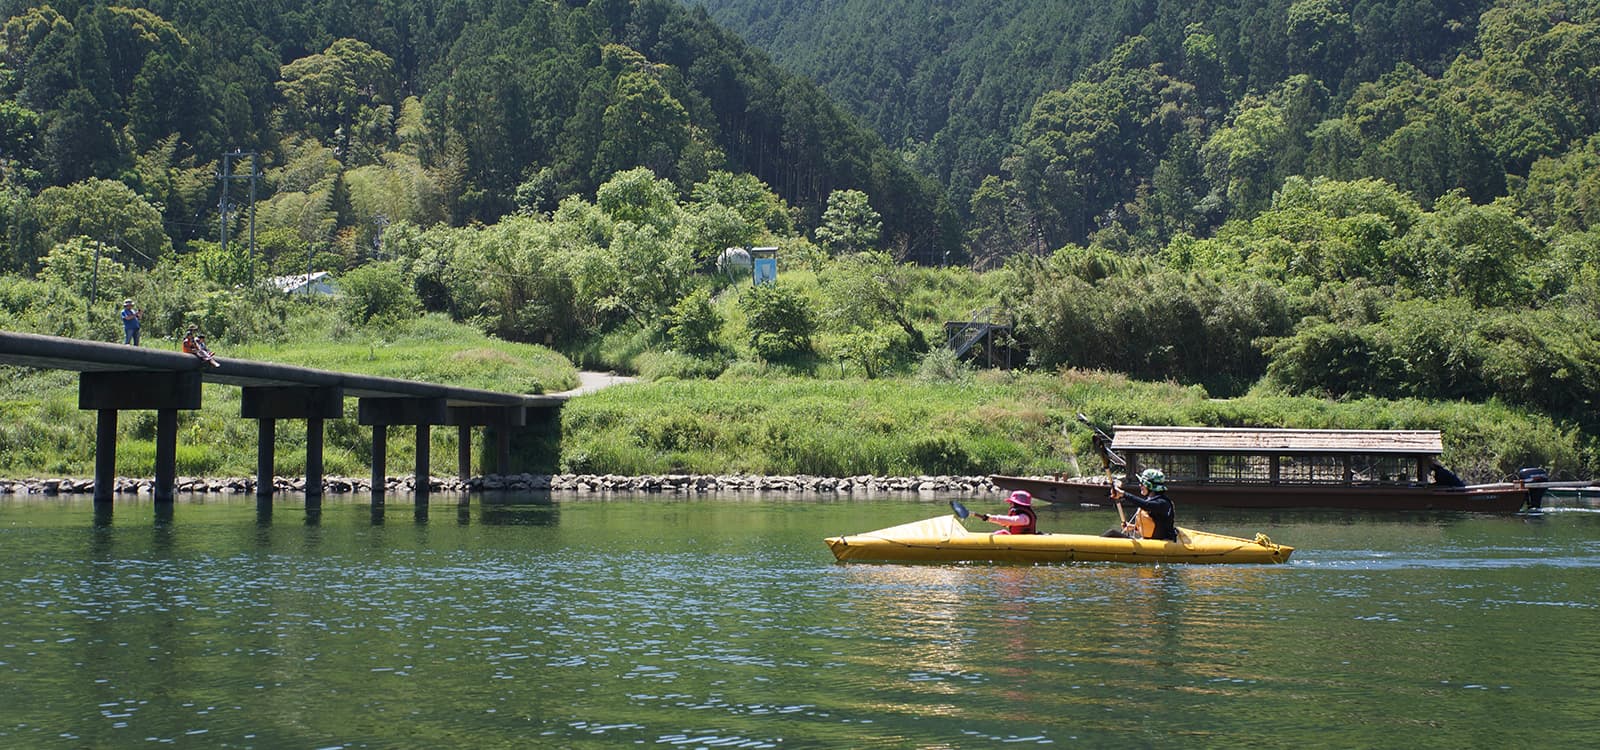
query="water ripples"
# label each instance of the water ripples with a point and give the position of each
(568, 634)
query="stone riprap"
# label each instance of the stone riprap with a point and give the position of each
(670, 484)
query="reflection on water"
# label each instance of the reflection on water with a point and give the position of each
(532, 621)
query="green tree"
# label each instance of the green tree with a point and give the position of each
(643, 126)
(1331, 360)
(640, 197)
(87, 267)
(849, 224)
(995, 231)
(1321, 37)
(694, 323)
(19, 126)
(1085, 151)
(1481, 253)
(780, 320)
(621, 253)
(331, 93)
(1546, 359)
(377, 293)
(397, 188)
(307, 186)
(1241, 158)
(747, 196)
(105, 210)
(1563, 192)
(863, 292)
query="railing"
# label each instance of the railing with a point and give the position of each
(969, 334)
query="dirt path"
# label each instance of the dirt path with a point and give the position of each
(589, 382)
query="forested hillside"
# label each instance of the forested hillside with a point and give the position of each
(1050, 121)
(1373, 203)
(404, 110)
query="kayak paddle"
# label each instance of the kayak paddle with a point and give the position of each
(961, 510)
(1102, 444)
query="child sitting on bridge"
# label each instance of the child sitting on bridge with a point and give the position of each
(195, 343)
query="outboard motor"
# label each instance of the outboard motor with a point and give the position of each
(1535, 494)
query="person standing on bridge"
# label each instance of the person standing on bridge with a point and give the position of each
(130, 323)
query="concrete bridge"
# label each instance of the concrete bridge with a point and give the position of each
(114, 377)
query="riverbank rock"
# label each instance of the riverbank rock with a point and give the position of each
(664, 484)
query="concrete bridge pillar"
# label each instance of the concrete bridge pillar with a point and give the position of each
(500, 417)
(105, 455)
(380, 461)
(268, 404)
(108, 392)
(423, 476)
(421, 412)
(266, 450)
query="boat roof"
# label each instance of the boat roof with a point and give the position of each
(1275, 440)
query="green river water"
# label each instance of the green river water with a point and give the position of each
(513, 622)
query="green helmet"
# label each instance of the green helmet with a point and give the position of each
(1154, 479)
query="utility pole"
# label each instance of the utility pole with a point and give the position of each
(94, 281)
(226, 176)
(382, 221)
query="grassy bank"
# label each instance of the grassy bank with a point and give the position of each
(991, 423)
(757, 422)
(43, 433)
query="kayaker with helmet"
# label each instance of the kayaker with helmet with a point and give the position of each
(1153, 501)
(1019, 518)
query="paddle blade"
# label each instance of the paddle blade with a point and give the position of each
(961, 510)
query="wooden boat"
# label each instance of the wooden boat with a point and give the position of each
(944, 539)
(1385, 470)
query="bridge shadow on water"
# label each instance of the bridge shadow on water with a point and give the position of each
(486, 508)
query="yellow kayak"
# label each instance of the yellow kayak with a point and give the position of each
(944, 539)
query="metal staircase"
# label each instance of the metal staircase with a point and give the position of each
(961, 337)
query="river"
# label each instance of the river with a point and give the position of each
(724, 622)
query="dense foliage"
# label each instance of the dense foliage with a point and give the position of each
(1313, 200)
(411, 110)
(1338, 199)
(1052, 121)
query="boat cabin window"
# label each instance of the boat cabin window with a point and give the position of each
(1179, 467)
(1237, 469)
(1383, 469)
(1311, 469)
(1287, 469)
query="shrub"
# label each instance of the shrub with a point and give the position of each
(941, 365)
(693, 324)
(1330, 359)
(378, 293)
(781, 322)
(660, 365)
(940, 454)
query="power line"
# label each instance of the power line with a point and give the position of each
(226, 176)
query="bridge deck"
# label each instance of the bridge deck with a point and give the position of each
(56, 353)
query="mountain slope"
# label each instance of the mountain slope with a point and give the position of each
(950, 82)
(486, 98)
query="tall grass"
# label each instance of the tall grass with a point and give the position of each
(430, 348)
(762, 421)
(991, 423)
